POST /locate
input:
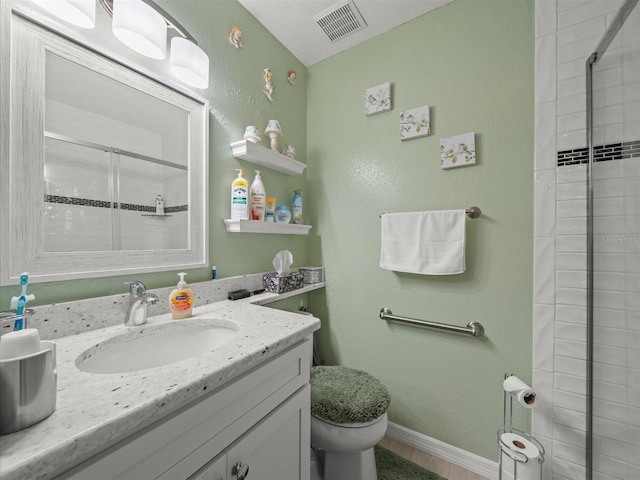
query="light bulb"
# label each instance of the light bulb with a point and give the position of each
(189, 63)
(140, 27)
(81, 13)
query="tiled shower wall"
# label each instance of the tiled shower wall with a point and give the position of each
(567, 31)
(79, 212)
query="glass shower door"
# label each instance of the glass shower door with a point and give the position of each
(614, 221)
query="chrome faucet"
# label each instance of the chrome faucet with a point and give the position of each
(138, 301)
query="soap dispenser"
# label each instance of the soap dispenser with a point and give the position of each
(181, 299)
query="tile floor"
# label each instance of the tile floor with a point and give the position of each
(434, 464)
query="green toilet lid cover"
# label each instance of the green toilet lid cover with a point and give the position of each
(346, 395)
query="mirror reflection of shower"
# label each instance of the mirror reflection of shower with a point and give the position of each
(106, 158)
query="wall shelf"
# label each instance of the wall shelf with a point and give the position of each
(255, 226)
(265, 157)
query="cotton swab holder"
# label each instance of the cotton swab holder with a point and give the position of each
(28, 379)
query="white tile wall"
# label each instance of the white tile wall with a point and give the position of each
(566, 33)
(140, 182)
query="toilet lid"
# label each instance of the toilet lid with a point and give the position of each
(346, 395)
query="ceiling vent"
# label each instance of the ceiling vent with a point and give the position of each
(340, 20)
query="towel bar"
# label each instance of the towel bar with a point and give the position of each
(472, 212)
(473, 328)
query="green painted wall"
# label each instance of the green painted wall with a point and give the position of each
(473, 63)
(236, 100)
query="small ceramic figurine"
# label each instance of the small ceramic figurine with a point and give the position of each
(273, 130)
(159, 205)
(252, 134)
(235, 36)
(289, 150)
(291, 77)
(268, 84)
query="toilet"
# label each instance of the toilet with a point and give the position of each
(348, 418)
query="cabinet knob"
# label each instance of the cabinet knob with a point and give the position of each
(240, 471)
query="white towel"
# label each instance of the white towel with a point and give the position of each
(429, 243)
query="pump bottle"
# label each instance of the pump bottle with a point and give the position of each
(239, 194)
(257, 196)
(181, 299)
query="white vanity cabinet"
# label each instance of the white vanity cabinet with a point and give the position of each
(269, 451)
(258, 424)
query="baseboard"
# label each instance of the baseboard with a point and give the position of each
(467, 460)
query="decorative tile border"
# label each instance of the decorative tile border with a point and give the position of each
(132, 207)
(76, 201)
(86, 202)
(177, 208)
(601, 153)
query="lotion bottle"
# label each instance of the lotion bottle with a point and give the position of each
(239, 193)
(257, 196)
(181, 299)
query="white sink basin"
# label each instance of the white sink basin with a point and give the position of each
(155, 345)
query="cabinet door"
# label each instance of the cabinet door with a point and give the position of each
(216, 469)
(277, 448)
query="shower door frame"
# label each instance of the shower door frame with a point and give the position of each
(617, 23)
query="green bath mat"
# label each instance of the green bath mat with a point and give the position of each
(393, 467)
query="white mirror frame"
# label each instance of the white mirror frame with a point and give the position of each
(22, 165)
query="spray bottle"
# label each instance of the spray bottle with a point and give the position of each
(297, 206)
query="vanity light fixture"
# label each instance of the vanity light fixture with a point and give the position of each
(81, 13)
(142, 26)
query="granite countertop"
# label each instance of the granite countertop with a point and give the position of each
(96, 410)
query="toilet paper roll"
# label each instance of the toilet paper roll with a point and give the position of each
(529, 470)
(519, 390)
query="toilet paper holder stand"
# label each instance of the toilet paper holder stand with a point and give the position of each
(505, 449)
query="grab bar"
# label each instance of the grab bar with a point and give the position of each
(473, 328)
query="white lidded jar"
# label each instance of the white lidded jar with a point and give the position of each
(257, 196)
(283, 214)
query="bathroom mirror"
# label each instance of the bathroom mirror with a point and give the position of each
(107, 168)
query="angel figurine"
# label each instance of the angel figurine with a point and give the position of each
(268, 84)
(291, 77)
(235, 36)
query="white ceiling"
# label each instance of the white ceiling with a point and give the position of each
(292, 23)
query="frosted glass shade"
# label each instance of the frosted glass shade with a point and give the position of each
(189, 63)
(78, 12)
(140, 27)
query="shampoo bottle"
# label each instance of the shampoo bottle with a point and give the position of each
(239, 191)
(297, 206)
(181, 299)
(257, 196)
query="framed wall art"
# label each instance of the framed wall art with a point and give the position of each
(377, 99)
(415, 123)
(458, 151)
